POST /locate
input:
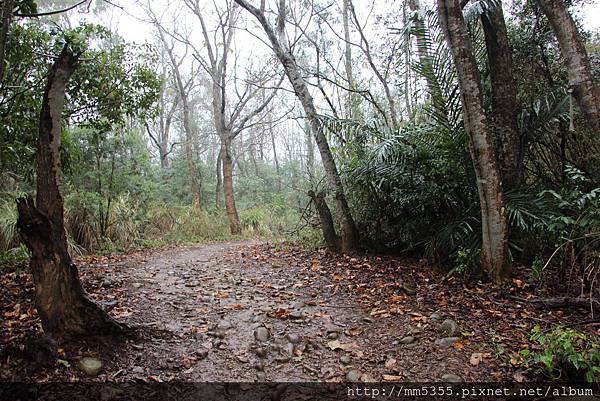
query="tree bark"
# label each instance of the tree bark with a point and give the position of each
(219, 187)
(62, 304)
(581, 80)
(232, 214)
(504, 97)
(331, 238)
(349, 232)
(7, 14)
(493, 218)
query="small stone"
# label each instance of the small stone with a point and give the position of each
(449, 328)
(259, 365)
(107, 283)
(137, 370)
(367, 320)
(332, 328)
(293, 338)
(288, 350)
(262, 334)
(261, 352)
(434, 317)
(91, 366)
(345, 360)
(447, 341)
(451, 378)
(353, 376)
(409, 289)
(282, 359)
(295, 314)
(224, 325)
(407, 340)
(367, 378)
(202, 353)
(333, 335)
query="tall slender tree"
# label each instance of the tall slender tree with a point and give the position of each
(504, 96)
(349, 233)
(493, 218)
(581, 80)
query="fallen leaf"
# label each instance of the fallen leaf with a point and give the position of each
(235, 306)
(519, 376)
(476, 358)
(354, 331)
(392, 378)
(390, 363)
(336, 344)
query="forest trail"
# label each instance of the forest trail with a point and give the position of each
(230, 312)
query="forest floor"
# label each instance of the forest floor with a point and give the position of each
(253, 311)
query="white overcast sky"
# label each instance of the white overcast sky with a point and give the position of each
(129, 21)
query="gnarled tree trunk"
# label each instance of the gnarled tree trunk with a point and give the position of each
(581, 80)
(63, 306)
(504, 97)
(493, 218)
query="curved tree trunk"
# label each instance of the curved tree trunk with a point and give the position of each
(504, 97)
(493, 219)
(581, 80)
(348, 230)
(63, 306)
(232, 214)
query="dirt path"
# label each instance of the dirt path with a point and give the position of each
(226, 312)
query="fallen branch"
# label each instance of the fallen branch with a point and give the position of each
(562, 302)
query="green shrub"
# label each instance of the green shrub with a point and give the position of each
(565, 354)
(466, 262)
(9, 237)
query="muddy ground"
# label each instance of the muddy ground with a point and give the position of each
(249, 311)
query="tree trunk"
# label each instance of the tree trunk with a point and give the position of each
(187, 125)
(422, 51)
(275, 158)
(349, 232)
(331, 238)
(493, 219)
(232, 214)
(504, 98)
(353, 97)
(6, 10)
(62, 304)
(581, 80)
(219, 187)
